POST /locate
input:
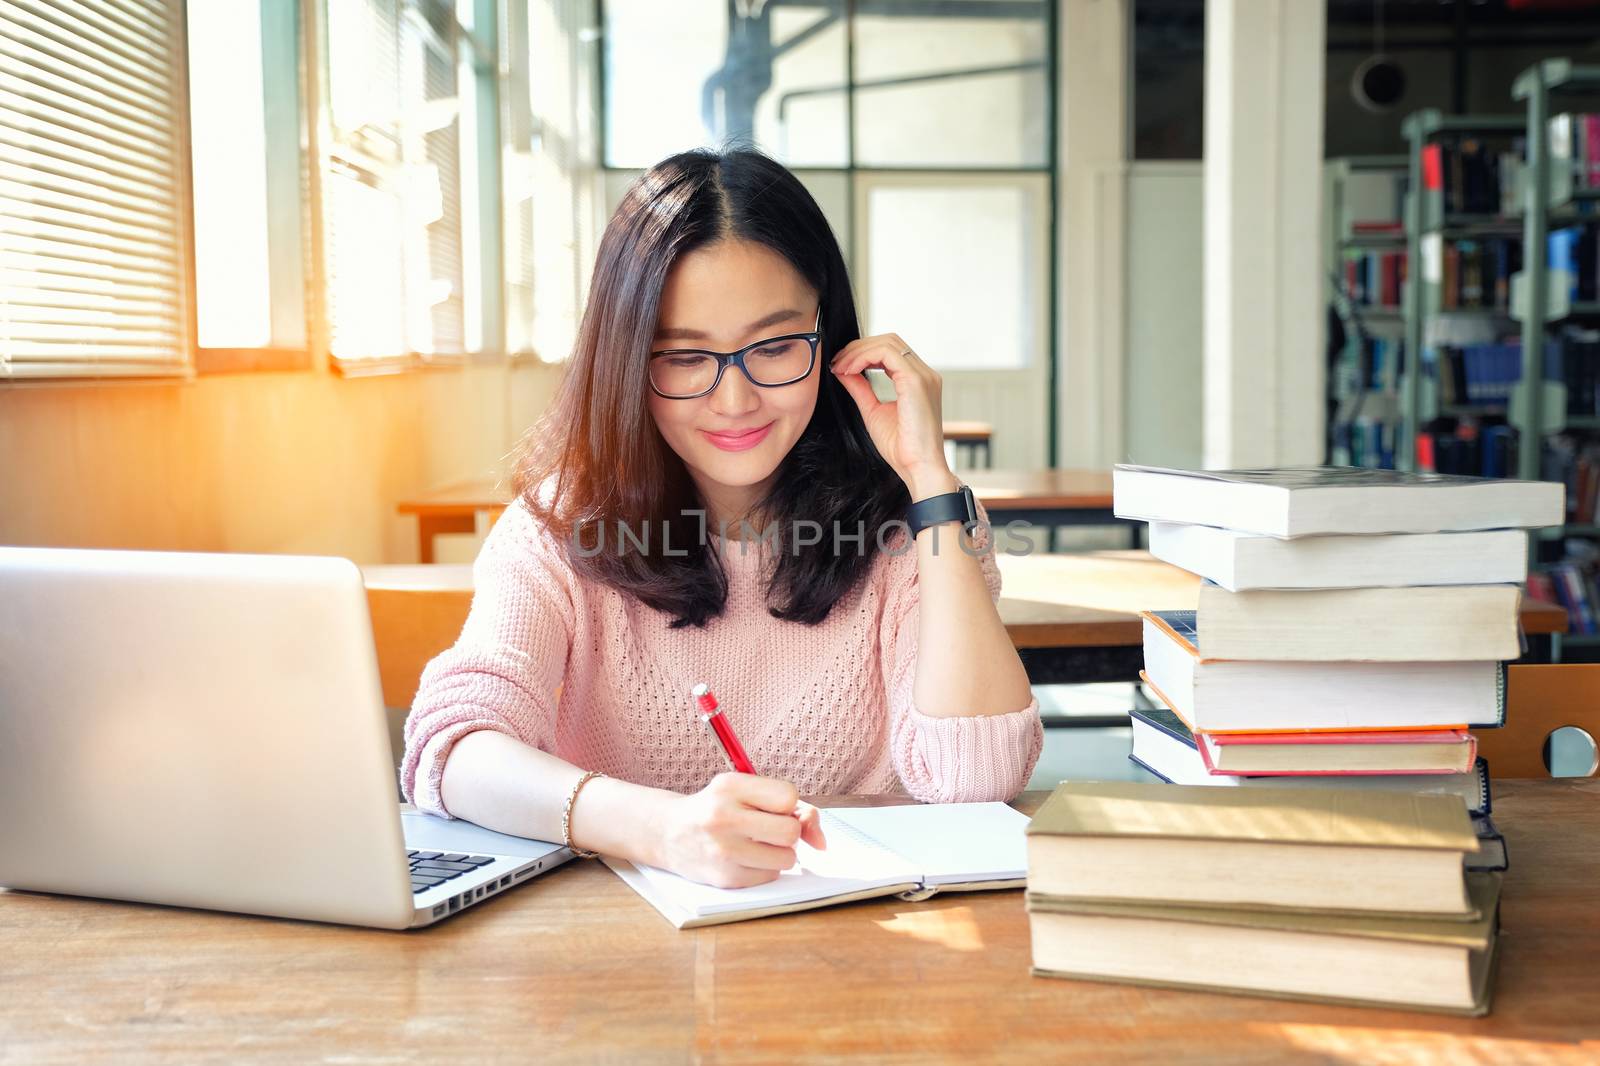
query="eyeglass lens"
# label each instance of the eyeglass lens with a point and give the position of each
(776, 362)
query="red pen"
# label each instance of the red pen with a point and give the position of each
(713, 718)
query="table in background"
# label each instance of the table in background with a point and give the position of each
(575, 966)
(454, 508)
(1049, 497)
(972, 438)
(1074, 618)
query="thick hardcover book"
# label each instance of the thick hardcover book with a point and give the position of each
(1372, 752)
(1164, 746)
(1306, 501)
(1411, 962)
(1217, 695)
(1371, 851)
(1439, 623)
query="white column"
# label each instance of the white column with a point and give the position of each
(1264, 366)
(1092, 122)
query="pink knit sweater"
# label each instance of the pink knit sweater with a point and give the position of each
(826, 707)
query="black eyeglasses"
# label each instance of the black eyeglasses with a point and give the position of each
(687, 373)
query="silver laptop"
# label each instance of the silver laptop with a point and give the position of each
(209, 731)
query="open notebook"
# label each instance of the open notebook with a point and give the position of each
(915, 850)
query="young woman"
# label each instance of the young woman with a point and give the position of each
(716, 495)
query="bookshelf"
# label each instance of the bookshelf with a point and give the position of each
(1542, 302)
(1432, 223)
(1539, 407)
(1360, 195)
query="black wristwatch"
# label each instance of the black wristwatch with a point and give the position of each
(957, 506)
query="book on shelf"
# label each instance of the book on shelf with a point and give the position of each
(1308, 501)
(1467, 176)
(1475, 273)
(1410, 961)
(1242, 561)
(1436, 623)
(1366, 441)
(1258, 696)
(1470, 446)
(1479, 375)
(911, 850)
(1572, 357)
(1574, 146)
(1574, 462)
(1375, 280)
(1369, 852)
(1570, 255)
(1164, 746)
(1575, 590)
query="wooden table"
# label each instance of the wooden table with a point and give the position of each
(575, 967)
(1049, 497)
(454, 509)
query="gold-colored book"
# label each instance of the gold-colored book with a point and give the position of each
(1413, 963)
(1287, 848)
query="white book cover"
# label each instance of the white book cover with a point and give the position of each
(1244, 561)
(1305, 501)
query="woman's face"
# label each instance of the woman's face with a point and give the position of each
(721, 298)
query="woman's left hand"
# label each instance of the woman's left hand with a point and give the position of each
(908, 430)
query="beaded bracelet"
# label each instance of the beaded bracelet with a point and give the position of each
(566, 816)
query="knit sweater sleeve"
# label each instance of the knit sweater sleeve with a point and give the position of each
(504, 669)
(950, 760)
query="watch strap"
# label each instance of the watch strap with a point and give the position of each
(958, 506)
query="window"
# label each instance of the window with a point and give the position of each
(902, 119)
(682, 74)
(983, 317)
(242, 184)
(550, 172)
(247, 170)
(404, 215)
(92, 228)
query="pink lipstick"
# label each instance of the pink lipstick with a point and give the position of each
(738, 442)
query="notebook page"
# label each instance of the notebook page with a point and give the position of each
(849, 864)
(948, 843)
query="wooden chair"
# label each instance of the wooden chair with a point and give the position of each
(417, 612)
(1540, 700)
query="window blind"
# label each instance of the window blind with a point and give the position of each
(92, 240)
(393, 214)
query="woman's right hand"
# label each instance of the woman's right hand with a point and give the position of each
(740, 830)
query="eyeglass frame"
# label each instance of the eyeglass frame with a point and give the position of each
(725, 359)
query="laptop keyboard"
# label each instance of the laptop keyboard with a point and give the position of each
(431, 868)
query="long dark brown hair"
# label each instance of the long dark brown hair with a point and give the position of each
(597, 459)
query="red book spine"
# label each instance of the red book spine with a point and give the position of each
(1433, 166)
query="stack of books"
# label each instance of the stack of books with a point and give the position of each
(1350, 630)
(1346, 897)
